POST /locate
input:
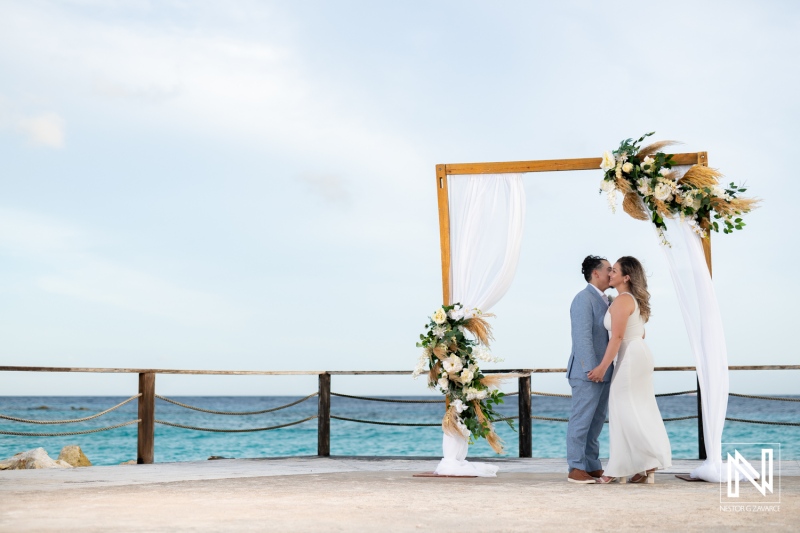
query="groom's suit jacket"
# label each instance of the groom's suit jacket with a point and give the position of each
(589, 335)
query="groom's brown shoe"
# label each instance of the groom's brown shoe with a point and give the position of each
(580, 476)
(596, 473)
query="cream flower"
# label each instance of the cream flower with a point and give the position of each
(453, 364)
(439, 331)
(474, 394)
(459, 406)
(643, 186)
(466, 376)
(481, 353)
(647, 164)
(439, 316)
(444, 384)
(422, 363)
(627, 167)
(665, 171)
(456, 313)
(607, 185)
(663, 192)
(608, 162)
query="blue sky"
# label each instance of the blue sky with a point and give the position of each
(250, 185)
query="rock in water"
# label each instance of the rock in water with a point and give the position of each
(36, 458)
(74, 456)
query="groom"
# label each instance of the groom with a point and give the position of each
(589, 399)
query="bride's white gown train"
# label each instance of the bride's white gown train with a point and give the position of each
(638, 440)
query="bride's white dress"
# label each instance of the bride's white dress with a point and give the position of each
(637, 437)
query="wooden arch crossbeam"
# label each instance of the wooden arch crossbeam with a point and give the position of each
(517, 167)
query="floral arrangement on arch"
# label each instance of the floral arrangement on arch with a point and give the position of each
(450, 359)
(652, 190)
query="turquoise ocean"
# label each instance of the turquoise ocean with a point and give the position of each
(347, 438)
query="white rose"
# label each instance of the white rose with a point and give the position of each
(627, 167)
(608, 162)
(439, 316)
(453, 364)
(664, 171)
(607, 185)
(466, 376)
(644, 187)
(663, 192)
(459, 406)
(444, 384)
(456, 313)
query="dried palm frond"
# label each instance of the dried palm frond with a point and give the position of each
(651, 149)
(433, 373)
(634, 206)
(662, 209)
(450, 423)
(494, 380)
(623, 185)
(480, 328)
(701, 177)
(744, 205)
(492, 438)
(440, 351)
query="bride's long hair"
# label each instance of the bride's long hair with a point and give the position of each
(632, 268)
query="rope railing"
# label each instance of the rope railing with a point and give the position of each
(237, 413)
(69, 433)
(773, 398)
(71, 421)
(246, 430)
(387, 400)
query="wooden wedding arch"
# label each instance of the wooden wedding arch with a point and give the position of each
(520, 167)
(544, 165)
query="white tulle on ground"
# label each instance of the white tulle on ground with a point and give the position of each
(454, 461)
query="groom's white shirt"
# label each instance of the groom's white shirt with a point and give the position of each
(601, 293)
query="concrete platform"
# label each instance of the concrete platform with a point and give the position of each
(370, 494)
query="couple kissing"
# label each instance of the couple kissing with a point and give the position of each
(604, 331)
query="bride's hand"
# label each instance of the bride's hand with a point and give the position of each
(597, 374)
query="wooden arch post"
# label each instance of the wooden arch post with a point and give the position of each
(544, 165)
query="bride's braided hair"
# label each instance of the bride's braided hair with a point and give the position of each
(632, 268)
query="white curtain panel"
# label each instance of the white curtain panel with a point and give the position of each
(487, 218)
(701, 314)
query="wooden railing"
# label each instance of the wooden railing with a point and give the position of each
(147, 396)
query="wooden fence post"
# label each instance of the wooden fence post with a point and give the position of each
(324, 416)
(147, 414)
(701, 440)
(525, 437)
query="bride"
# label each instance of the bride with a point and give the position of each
(638, 442)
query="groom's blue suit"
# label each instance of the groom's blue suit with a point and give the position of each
(589, 399)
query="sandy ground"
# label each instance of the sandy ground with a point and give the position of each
(381, 500)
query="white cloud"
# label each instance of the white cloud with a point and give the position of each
(75, 270)
(46, 129)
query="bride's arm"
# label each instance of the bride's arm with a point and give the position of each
(620, 310)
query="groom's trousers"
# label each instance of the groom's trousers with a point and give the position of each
(588, 414)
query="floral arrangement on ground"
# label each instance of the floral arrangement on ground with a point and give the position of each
(653, 190)
(450, 359)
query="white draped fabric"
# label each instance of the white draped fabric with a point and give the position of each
(701, 314)
(487, 218)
